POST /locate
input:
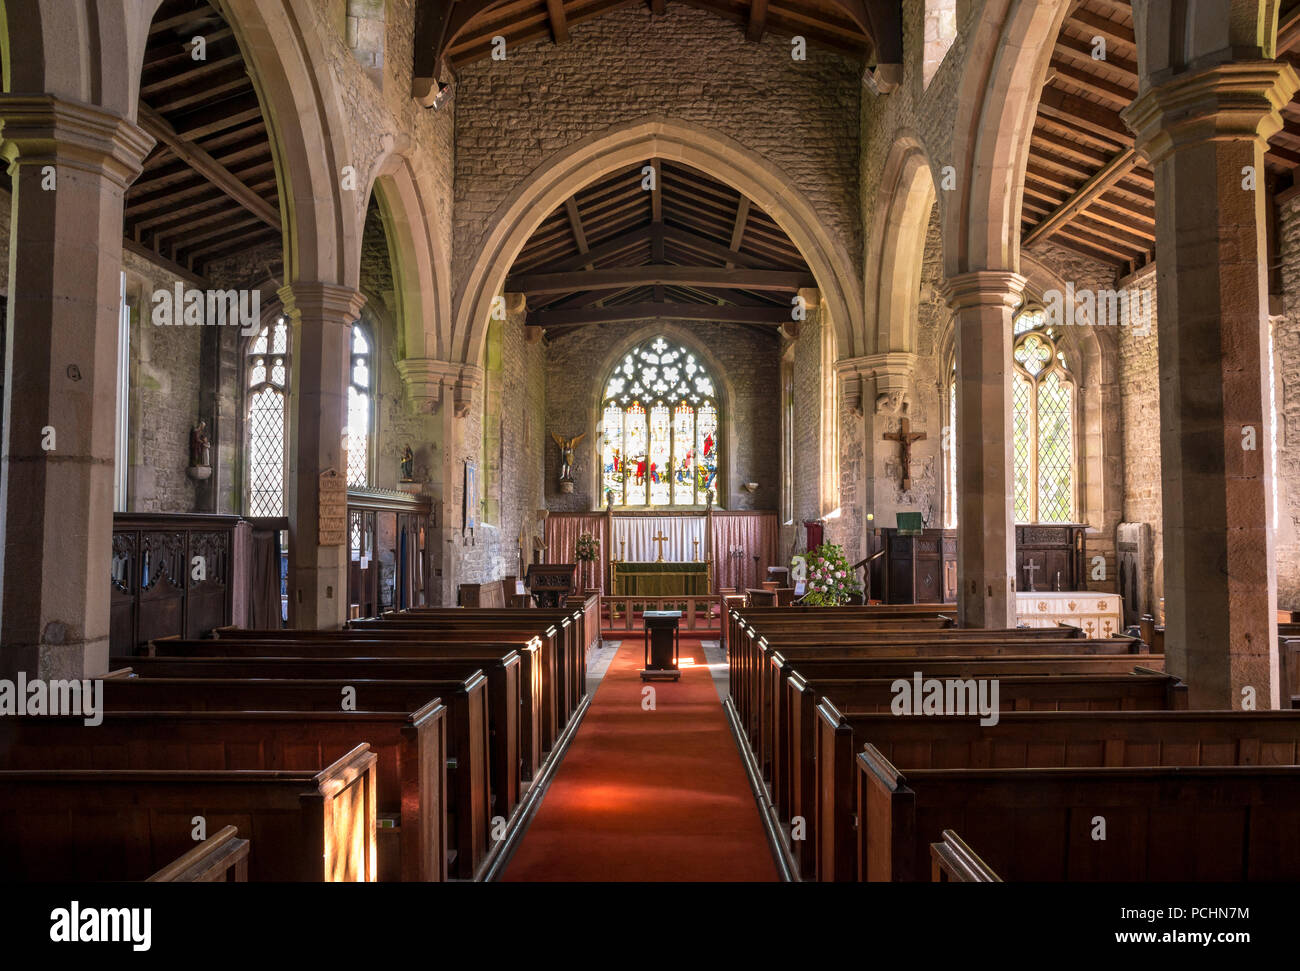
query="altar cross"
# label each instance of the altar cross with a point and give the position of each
(905, 437)
(1031, 567)
(660, 539)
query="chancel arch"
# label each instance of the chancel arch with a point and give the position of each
(633, 146)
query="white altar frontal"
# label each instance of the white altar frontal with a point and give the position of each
(1098, 614)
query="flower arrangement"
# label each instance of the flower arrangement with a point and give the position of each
(586, 549)
(830, 580)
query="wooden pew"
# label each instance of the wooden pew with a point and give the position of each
(125, 824)
(557, 639)
(531, 698)
(502, 694)
(407, 736)
(536, 654)
(952, 861)
(222, 858)
(461, 791)
(766, 691)
(1187, 795)
(809, 763)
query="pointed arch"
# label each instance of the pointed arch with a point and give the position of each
(654, 137)
(896, 246)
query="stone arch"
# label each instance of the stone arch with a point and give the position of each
(304, 116)
(722, 381)
(420, 264)
(896, 247)
(589, 158)
(1006, 61)
(87, 51)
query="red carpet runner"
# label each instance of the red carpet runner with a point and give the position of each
(648, 795)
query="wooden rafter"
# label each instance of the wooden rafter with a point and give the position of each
(1087, 194)
(609, 279)
(208, 167)
(757, 20)
(651, 310)
(559, 23)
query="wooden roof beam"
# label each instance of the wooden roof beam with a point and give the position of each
(650, 311)
(1087, 194)
(1086, 116)
(559, 24)
(757, 21)
(208, 167)
(659, 275)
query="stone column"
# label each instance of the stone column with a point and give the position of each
(322, 315)
(983, 302)
(1205, 135)
(71, 164)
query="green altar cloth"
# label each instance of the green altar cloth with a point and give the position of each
(661, 579)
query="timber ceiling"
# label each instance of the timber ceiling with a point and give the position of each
(691, 248)
(1085, 188)
(208, 189)
(841, 25)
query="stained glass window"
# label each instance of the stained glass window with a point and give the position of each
(659, 429)
(359, 392)
(267, 368)
(1043, 403)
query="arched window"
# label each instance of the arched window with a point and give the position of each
(267, 368)
(1043, 404)
(659, 429)
(360, 389)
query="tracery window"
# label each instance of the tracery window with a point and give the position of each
(266, 365)
(659, 429)
(1043, 406)
(359, 395)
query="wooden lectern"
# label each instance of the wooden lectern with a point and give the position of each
(662, 645)
(551, 584)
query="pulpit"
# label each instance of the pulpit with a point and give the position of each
(906, 567)
(551, 584)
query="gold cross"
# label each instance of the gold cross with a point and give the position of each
(660, 539)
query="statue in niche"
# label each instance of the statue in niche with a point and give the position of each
(408, 465)
(567, 447)
(200, 446)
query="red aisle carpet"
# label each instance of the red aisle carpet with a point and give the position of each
(648, 795)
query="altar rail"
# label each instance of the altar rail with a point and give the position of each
(702, 614)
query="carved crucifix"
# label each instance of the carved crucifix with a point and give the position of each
(660, 539)
(905, 437)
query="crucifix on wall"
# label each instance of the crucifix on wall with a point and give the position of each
(905, 437)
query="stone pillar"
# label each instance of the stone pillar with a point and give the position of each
(71, 164)
(1205, 135)
(983, 302)
(322, 315)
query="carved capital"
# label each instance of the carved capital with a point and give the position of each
(428, 382)
(324, 303)
(45, 130)
(892, 373)
(984, 288)
(1235, 101)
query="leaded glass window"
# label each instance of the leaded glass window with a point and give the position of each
(950, 456)
(659, 429)
(266, 366)
(1043, 407)
(359, 394)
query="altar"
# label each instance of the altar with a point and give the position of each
(660, 579)
(1098, 614)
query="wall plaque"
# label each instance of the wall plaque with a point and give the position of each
(333, 502)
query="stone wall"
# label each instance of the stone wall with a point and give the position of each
(1286, 377)
(688, 65)
(1140, 422)
(745, 363)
